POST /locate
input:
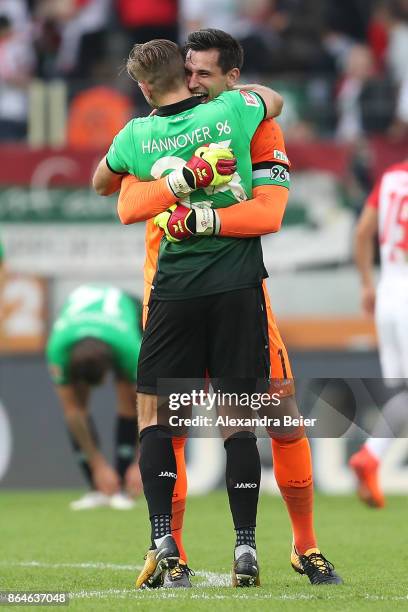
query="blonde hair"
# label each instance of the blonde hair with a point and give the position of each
(158, 62)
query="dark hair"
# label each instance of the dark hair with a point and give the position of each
(89, 361)
(231, 54)
(5, 22)
(158, 62)
(399, 10)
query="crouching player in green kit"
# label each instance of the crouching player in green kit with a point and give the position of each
(97, 330)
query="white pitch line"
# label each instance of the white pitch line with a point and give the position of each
(99, 594)
(210, 579)
(162, 594)
(90, 565)
(172, 594)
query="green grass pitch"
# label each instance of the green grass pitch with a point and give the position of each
(95, 555)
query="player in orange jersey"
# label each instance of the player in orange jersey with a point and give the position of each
(213, 62)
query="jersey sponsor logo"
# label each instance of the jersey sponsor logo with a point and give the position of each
(250, 99)
(168, 475)
(280, 155)
(183, 118)
(245, 485)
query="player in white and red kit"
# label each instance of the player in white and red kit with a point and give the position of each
(385, 213)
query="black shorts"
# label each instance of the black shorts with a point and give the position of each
(223, 337)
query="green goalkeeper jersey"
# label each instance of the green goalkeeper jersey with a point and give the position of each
(151, 147)
(101, 312)
(1, 252)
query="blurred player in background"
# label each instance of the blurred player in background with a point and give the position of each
(385, 214)
(2, 270)
(99, 330)
(200, 285)
(213, 62)
(2, 285)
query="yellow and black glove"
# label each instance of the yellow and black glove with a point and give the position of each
(179, 222)
(211, 165)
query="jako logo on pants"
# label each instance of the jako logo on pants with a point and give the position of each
(245, 485)
(168, 474)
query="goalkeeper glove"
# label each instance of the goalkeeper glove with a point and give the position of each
(179, 222)
(211, 165)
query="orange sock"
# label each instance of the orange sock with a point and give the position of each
(179, 496)
(293, 472)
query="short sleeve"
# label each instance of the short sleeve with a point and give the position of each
(57, 368)
(1, 253)
(120, 154)
(268, 144)
(270, 164)
(373, 198)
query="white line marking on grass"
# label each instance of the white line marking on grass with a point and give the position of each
(212, 579)
(162, 594)
(120, 593)
(174, 593)
(90, 565)
(209, 579)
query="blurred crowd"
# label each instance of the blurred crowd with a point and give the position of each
(342, 65)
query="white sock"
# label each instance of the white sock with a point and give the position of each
(393, 422)
(244, 548)
(158, 541)
(379, 446)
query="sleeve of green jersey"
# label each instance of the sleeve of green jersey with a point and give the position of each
(126, 365)
(1, 252)
(121, 151)
(57, 366)
(249, 107)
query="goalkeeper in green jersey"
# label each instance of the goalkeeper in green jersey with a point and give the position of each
(97, 330)
(206, 310)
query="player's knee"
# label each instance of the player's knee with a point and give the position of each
(287, 421)
(146, 410)
(240, 435)
(287, 435)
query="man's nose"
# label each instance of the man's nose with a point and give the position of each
(193, 81)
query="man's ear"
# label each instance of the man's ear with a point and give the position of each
(233, 77)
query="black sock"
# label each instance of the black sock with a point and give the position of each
(125, 444)
(79, 455)
(158, 468)
(161, 526)
(243, 477)
(245, 535)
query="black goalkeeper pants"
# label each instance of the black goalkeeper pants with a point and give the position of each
(222, 336)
